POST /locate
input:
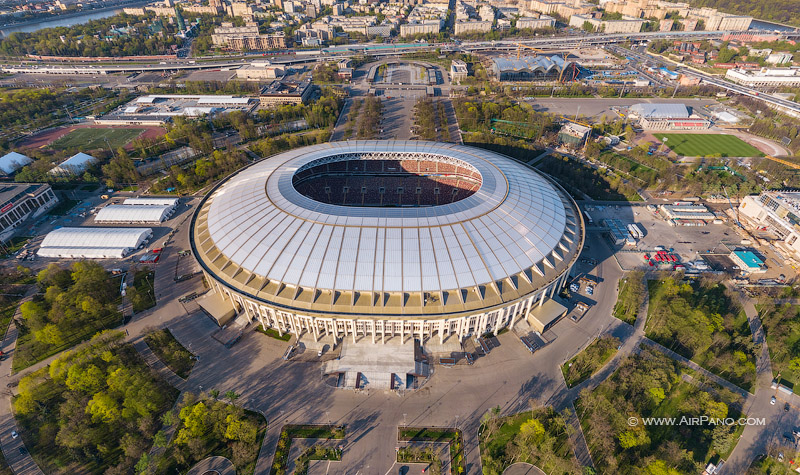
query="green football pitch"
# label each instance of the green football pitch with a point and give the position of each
(94, 138)
(699, 145)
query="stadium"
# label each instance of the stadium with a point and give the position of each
(382, 239)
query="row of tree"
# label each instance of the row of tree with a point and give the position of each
(94, 409)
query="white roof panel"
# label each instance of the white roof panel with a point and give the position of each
(262, 223)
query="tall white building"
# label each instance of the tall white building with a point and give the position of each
(779, 212)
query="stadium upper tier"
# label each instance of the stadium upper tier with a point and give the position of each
(387, 228)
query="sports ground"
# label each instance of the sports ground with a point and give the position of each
(89, 137)
(93, 138)
(699, 145)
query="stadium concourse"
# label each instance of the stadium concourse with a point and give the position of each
(387, 239)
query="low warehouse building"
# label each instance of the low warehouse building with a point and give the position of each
(667, 117)
(133, 214)
(93, 243)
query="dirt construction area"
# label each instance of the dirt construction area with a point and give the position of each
(47, 137)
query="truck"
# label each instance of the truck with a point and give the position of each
(634, 231)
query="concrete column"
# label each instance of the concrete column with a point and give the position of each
(441, 332)
(497, 320)
(335, 330)
(353, 322)
(541, 300)
(316, 331)
(402, 332)
(383, 332)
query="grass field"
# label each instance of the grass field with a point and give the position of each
(698, 145)
(93, 138)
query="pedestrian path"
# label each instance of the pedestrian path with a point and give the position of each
(156, 364)
(14, 451)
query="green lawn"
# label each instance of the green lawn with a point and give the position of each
(63, 207)
(271, 332)
(93, 138)
(453, 436)
(144, 297)
(290, 431)
(588, 361)
(698, 145)
(630, 298)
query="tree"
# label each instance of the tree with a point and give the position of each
(532, 430)
(195, 423)
(103, 408)
(231, 396)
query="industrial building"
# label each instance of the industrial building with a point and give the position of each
(13, 161)
(93, 243)
(573, 135)
(258, 70)
(687, 214)
(748, 261)
(388, 239)
(133, 214)
(779, 213)
(529, 68)
(157, 109)
(74, 165)
(666, 117)
(284, 92)
(458, 70)
(765, 77)
(20, 201)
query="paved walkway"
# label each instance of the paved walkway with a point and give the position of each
(522, 468)
(215, 465)
(154, 362)
(708, 374)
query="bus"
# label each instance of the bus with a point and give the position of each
(589, 219)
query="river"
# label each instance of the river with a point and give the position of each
(65, 20)
(768, 25)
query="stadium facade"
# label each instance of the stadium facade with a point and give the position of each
(387, 238)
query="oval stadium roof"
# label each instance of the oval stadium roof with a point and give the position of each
(516, 231)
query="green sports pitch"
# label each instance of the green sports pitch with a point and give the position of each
(703, 145)
(93, 138)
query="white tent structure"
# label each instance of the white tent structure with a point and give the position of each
(93, 243)
(74, 165)
(13, 161)
(133, 214)
(173, 202)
